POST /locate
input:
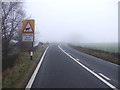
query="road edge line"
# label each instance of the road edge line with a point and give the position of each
(104, 76)
(36, 70)
(99, 77)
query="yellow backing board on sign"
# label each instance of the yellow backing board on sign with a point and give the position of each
(25, 22)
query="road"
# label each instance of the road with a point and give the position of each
(64, 67)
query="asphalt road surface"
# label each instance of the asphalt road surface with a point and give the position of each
(64, 67)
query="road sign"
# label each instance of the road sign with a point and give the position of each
(29, 37)
(28, 31)
(28, 26)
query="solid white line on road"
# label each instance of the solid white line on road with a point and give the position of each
(104, 76)
(36, 71)
(99, 77)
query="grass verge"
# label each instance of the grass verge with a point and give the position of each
(108, 56)
(18, 75)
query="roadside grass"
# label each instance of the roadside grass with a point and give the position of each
(18, 75)
(108, 56)
(0, 66)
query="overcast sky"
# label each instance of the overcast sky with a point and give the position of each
(78, 21)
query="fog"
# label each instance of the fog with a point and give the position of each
(74, 21)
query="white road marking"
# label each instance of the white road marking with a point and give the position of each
(77, 59)
(104, 76)
(36, 71)
(99, 77)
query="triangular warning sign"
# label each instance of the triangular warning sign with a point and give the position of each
(28, 28)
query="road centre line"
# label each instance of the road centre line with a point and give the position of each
(36, 71)
(104, 76)
(99, 77)
(77, 59)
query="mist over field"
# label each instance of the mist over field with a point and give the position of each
(109, 47)
(74, 21)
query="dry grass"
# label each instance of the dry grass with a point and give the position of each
(18, 75)
(108, 56)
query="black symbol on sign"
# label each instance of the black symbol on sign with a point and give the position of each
(27, 29)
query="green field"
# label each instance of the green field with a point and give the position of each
(109, 47)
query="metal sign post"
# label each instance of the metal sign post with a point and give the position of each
(28, 34)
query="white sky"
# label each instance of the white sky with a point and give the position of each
(74, 20)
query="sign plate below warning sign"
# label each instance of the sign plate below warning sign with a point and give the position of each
(27, 37)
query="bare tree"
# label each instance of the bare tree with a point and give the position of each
(12, 15)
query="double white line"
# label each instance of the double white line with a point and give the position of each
(99, 77)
